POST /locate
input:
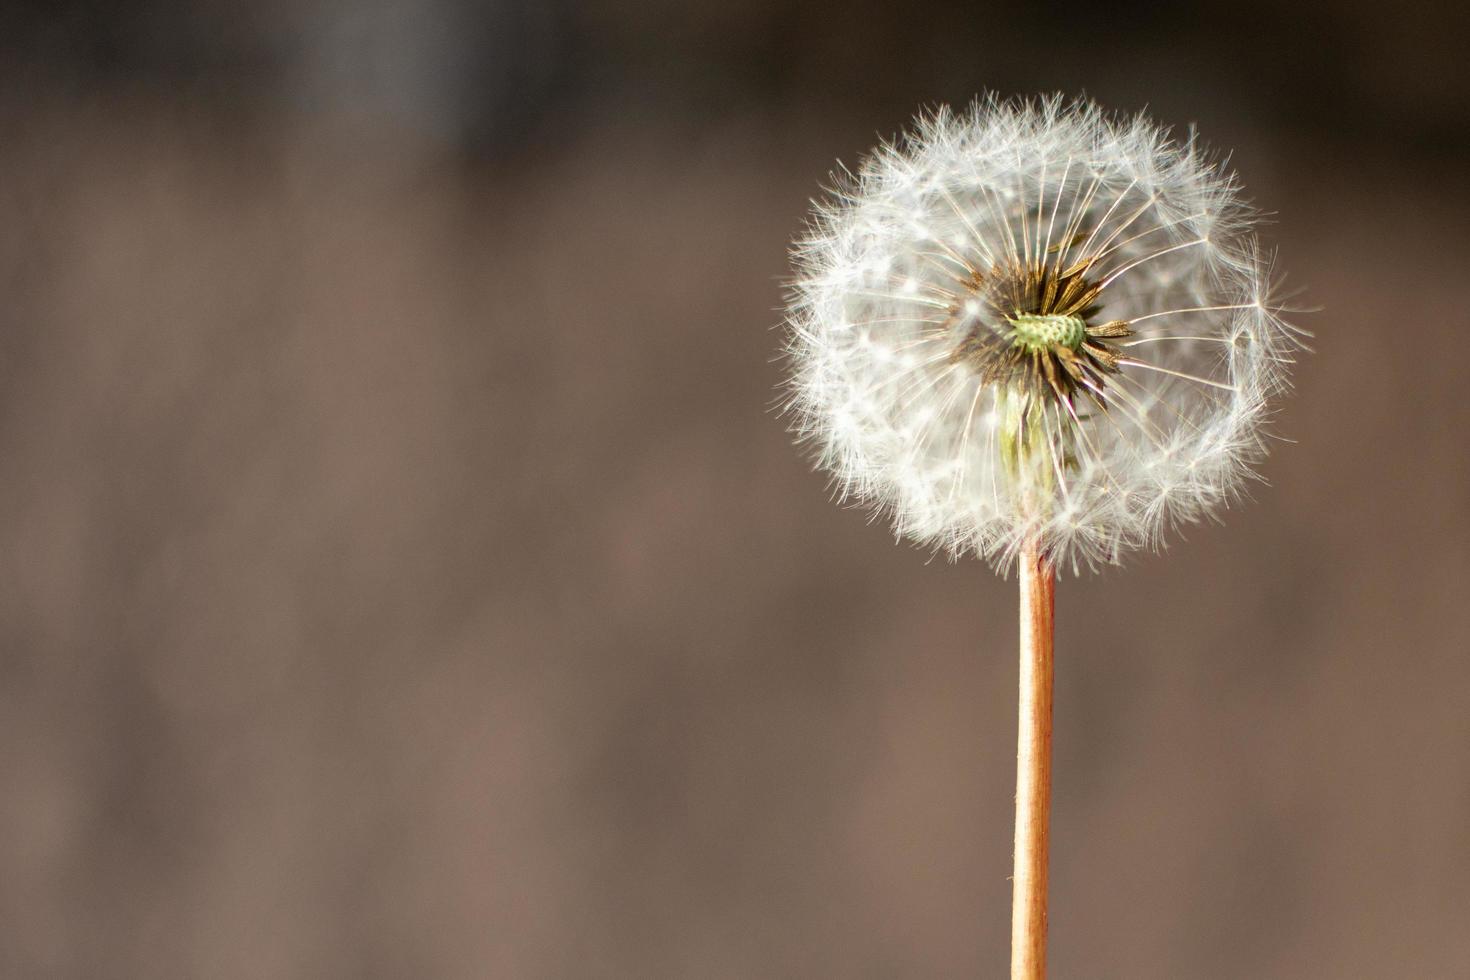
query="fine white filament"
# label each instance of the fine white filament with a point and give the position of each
(884, 299)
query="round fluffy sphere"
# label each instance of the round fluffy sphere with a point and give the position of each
(1035, 325)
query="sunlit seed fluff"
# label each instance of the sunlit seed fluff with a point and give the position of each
(1035, 322)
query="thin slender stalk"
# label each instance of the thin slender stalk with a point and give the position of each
(1033, 769)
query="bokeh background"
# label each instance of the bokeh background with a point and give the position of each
(402, 574)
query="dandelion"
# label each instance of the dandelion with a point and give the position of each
(1033, 324)
(1042, 335)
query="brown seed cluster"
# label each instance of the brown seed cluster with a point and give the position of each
(1002, 354)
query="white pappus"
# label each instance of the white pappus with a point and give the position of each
(1035, 325)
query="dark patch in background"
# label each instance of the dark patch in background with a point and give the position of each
(400, 574)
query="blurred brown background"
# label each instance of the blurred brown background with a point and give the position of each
(401, 574)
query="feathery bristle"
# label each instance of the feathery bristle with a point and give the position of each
(1035, 322)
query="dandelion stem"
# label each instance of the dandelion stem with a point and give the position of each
(1033, 768)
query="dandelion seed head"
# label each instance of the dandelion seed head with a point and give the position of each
(1035, 323)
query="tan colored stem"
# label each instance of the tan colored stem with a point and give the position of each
(1033, 769)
